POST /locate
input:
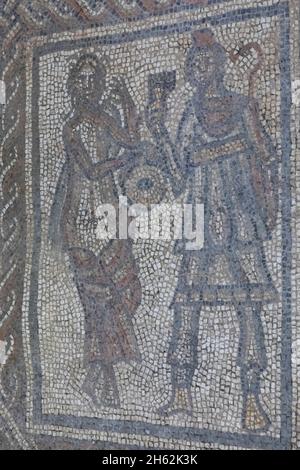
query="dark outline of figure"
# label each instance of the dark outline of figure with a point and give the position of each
(107, 283)
(228, 142)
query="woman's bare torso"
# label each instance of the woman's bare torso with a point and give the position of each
(86, 192)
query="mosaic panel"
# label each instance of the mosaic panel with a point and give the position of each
(142, 341)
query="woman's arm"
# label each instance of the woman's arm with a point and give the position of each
(100, 118)
(128, 135)
(128, 106)
(103, 168)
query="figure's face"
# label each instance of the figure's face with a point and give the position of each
(86, 81)
(204, 66)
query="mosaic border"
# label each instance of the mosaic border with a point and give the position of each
(209, 436)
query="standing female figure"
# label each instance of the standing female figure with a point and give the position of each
(94, 135)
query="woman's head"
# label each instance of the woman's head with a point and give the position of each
(87, 79)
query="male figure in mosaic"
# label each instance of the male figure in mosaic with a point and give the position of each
(104, 271)
(221, 140)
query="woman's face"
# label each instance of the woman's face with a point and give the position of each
(86, 81)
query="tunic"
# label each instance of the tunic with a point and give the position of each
(232, 169)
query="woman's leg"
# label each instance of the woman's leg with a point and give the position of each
(87, 277)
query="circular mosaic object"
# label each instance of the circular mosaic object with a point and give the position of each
(145, 185)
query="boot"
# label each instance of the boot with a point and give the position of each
(90, 384)
(254, 416)
(180, 402)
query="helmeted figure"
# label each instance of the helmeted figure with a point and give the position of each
(228, 163)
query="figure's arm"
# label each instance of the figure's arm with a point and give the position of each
(210, 153)
(254, 135)
(128, 133)
(264, 165)
(259, 138)
(128, 107)
(76, 149)
(101, 169)
(185, 139)
(100, 118)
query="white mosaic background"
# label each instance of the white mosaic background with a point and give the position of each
(145, 387)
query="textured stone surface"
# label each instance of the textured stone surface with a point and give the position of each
(141, 342)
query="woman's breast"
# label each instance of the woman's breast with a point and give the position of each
(96, 142)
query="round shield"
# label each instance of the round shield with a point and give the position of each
(145, 184)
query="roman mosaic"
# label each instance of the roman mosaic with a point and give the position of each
(140, 341)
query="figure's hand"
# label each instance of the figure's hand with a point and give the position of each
(101, 169)
(155, 119)
(199, 157)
